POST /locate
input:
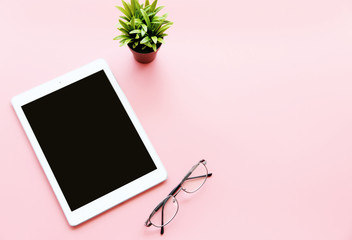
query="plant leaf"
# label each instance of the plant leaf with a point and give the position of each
(156, 26)
(124, 31)
(125, 42)
(146, 18)
(154, 47)
(163, 28)
(146, 2)
(120, 37)
(139, 5)
(146, 9)
(160, 40)
(124, 12)
(133, 25)
(145, 40)
(124, 25)
(145, 28)
(158, 9)
(156, 18)
(143, 32)
(152, 7)
(133, 6)
(135, 31)
(124, 18)
(155, 39)
(138, 21)
(152, 14)
(127, 8)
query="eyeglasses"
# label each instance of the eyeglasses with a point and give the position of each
(167, 209)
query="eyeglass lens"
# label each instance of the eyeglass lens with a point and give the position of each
(166, 213)
(192, 183)
(196, 179)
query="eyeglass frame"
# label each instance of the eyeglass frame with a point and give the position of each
(174, 193)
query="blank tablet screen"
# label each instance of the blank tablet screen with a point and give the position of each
(88, 139)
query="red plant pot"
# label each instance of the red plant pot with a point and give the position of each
(144, 57)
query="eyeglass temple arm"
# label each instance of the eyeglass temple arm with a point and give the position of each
(201, 176)
(162, 219)
(175, 190)
(191, 171)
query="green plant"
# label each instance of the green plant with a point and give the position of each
(141, 28)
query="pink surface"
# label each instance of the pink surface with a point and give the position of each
(261, 89)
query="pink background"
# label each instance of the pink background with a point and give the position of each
(261, 89)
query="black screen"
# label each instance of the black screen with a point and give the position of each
(88, 139)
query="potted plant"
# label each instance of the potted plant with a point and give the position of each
(141, 29)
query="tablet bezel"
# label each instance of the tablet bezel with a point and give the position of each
(115, 197)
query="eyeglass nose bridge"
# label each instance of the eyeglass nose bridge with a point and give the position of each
(179, 190)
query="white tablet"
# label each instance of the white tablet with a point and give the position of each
(88, 140)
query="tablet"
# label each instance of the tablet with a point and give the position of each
(89, 141)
